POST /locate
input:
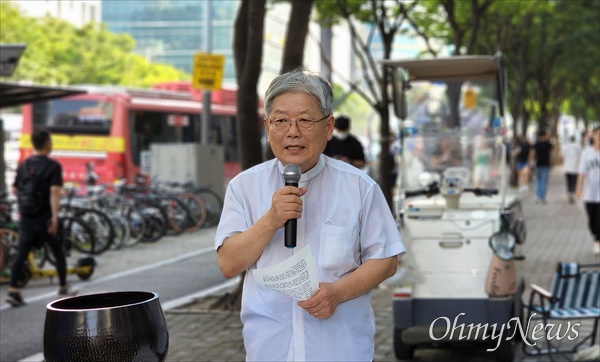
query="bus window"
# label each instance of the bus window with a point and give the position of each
(153, 127)
(225, 132)
(73, 116)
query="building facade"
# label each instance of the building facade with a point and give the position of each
(172, 31)
(76, 12)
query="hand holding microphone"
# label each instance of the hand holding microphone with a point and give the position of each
(291, 175)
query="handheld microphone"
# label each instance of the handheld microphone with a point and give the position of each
(291, 175)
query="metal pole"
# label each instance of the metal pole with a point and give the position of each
(326, 36)
(206, 93)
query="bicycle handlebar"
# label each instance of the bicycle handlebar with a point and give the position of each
(434, 190)
(430, 190)
(481, 192)
(415, 193)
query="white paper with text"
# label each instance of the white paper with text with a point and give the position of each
(295, 277)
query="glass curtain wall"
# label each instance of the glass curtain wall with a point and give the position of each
(171, 31)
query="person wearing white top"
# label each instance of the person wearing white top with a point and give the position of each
(570, 153)
(588, 186)
(341, 213)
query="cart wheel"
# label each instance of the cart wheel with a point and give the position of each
(505, 351)
(25, 276)
(403, 351)
(85, 274)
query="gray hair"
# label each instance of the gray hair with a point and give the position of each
(298, 81)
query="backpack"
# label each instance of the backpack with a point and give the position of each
(31, 195)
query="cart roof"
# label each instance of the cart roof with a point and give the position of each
(477, 67)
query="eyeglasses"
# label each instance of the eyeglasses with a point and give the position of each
(303, 124)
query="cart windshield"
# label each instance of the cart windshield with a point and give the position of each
(427, 155)
(453, 123)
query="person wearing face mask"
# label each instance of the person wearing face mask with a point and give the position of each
(344, 146)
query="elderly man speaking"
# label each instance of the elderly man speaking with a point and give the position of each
(341, 214)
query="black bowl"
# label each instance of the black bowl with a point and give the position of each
(116, 326)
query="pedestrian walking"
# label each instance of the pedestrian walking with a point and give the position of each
(341, 214)
(570, 155)
(38, 185)
(540, 153)
(588, 186)
(521, 154)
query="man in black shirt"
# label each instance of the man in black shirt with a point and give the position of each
(43, 225)
(541, 152)
(345, 146)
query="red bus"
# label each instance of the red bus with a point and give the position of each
(111, 126)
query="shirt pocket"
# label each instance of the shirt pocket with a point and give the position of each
(339, 249)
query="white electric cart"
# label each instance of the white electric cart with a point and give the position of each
(460, 224)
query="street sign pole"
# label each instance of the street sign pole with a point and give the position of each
(207, 75)
(206, 93)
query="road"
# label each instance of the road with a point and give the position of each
(174, 267)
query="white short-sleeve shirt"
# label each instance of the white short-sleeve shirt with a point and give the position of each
(589, 166)
(346, 221)
(571, 152)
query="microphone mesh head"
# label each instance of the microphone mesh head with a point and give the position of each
(292, 173)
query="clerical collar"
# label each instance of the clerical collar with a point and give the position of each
(310, 174)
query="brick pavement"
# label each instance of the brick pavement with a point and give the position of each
(557, 232)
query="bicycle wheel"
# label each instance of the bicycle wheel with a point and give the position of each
(178, 214)
(156, 228)
(197, 211)
(137, 225)
(101, 226)
(79, 235)
(121, 227)
(156, 221)
(85, 273)
(9, 241)
(214, 206)
(41, 255)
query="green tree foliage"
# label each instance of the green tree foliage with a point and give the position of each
(550, 49)
(384, 19)
(59, 53)
(552, 55)
(503, 29)
(353, 105)
(578, 73)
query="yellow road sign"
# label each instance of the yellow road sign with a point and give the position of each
(208, 71)
(470, 98)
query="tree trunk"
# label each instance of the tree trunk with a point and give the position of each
(385, 157)
(453, 94)
(293, 53)
(247, 51)
(544, 121)
(248, 42)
